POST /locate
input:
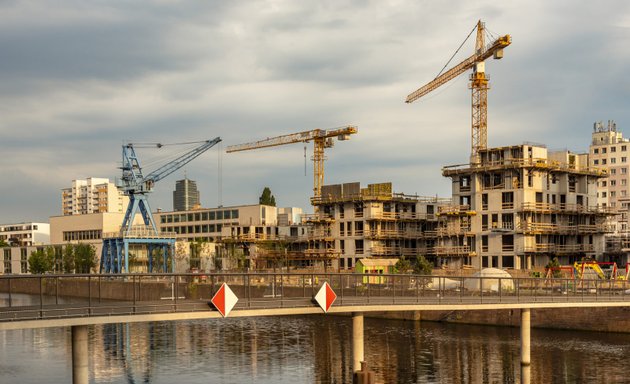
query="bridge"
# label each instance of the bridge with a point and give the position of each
(76, 301)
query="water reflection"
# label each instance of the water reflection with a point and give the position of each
(311, 349)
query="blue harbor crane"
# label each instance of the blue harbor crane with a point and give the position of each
(137, 187)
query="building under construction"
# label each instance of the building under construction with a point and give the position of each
(521, 206)
(353, 222)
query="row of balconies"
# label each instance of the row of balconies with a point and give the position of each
(565, 208)
(539, 163)
(529, 227)
(379, 215)
(558, 248)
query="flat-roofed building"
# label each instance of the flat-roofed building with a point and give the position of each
(522, 206)
(92, 195)
(185, 195)
(25, 234)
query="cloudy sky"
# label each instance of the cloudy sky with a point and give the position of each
(77, 78)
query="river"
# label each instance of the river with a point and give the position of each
(311, 349)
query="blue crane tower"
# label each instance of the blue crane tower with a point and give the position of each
(137, 186)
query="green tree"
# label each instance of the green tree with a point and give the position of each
(41, 261)
(402, 265)
(84, 257)
(159, 259)
(422, 266)
(3, 243)
(67, 259)
(267, 198)
(554, 266)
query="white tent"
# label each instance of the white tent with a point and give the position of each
(488, 280)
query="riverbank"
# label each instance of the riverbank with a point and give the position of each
(607, 319)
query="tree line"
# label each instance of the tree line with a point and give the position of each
(72, 258)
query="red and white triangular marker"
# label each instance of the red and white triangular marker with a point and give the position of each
(325, 297)
(224, 300)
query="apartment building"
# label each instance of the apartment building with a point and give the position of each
(521, 206)
(610, 150)
(352, 223)
(92, 195)
(25, 234)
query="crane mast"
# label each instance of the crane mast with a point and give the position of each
(321, 139)
(478, 85)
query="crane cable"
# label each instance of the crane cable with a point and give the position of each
(457, 51)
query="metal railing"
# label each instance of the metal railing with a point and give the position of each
(30, 297)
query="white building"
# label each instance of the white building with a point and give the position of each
(25, 234)
(610, 150)
(92, 195)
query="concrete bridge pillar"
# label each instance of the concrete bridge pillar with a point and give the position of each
(79, 354)
(525, 337)
(357, 341)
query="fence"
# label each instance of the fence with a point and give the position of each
(62, 296)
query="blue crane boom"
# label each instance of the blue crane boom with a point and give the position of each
(136, 186)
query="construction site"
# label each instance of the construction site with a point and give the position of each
(518, 207)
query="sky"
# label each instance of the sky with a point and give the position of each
(78, 78)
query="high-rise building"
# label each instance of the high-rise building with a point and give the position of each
(185, 195)
(92, 195)
(610, 150)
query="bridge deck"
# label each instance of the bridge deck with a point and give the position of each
(51, 301)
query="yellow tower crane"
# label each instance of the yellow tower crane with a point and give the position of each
(478, 84)
(321, 139)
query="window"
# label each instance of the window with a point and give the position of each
(623, 193)
(603, 183)
(23, 260)
(484, 243)
(624, 181)
(613, 149)
(235, 213)
(614, 171)
(604, 194)
(484, 201)
(623, 148)
(596, 151)
(613, 194)
(613, 160)
(212, 216)
(624, 159)
(613, 183)
(358, 247)
(623, 171)
(7, 260)
(603, 161)
(595, 162)
(603, 150)
(484, 222)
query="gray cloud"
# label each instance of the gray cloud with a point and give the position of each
(77, 78)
